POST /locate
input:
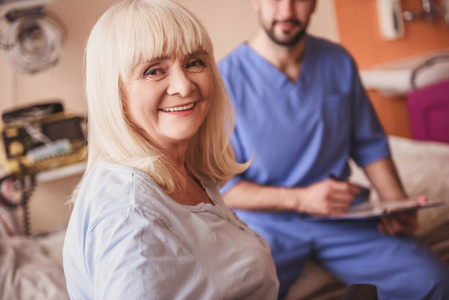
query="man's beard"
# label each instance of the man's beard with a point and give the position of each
(286, 42)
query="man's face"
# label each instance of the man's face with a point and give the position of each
(284, 21)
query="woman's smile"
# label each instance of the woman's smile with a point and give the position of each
(179, 108)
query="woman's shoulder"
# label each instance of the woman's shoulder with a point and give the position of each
(117, 181)
(109, 188)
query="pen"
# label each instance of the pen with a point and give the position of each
(364, 193)
(334, 177)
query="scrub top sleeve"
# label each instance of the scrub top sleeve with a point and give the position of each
(368, 139)
(132, 255)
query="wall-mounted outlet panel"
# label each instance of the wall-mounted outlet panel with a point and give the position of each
(390, 19)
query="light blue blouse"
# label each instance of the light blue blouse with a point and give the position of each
(127, 239)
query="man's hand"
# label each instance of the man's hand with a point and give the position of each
(328, 197)
(401, 224)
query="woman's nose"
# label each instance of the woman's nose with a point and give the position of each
(180, 83)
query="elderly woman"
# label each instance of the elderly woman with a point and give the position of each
(148, 221)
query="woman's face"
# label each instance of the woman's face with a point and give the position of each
(168, 98)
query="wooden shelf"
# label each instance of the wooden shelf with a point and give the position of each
(61, 172)
(58, 173)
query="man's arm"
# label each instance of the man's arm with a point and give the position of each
(328, 197)
(385, 179)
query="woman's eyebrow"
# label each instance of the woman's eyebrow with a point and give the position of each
(157, 59)
(165, 57)
(196, 53)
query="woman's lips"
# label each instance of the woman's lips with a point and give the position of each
(178, 108)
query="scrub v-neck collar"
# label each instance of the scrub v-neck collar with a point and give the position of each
(279, 79)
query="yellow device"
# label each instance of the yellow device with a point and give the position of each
(30, 144)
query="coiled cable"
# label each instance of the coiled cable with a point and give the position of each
(33, 41)
(24, 184)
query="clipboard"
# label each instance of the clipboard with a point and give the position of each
(369, 210)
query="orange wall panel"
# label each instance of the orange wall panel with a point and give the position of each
(393, 113)
(360, 33)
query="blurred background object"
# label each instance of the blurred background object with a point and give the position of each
(431, 12)
(36, 139)
(34, 35)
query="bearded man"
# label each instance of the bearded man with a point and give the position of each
(301, 114)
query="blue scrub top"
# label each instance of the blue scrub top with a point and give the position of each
(300, 132)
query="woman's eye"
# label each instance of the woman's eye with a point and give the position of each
(153, 72)
(196, 65)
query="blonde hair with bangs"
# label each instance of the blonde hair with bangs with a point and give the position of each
(127, 34)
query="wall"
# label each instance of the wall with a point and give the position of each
(64, 82)
(359, 33)
(228, 22)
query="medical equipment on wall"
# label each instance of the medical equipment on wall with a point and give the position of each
(432, 12)
(390, 19)
(35, 139)
(34, 36)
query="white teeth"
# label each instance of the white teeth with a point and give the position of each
(179, 108)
